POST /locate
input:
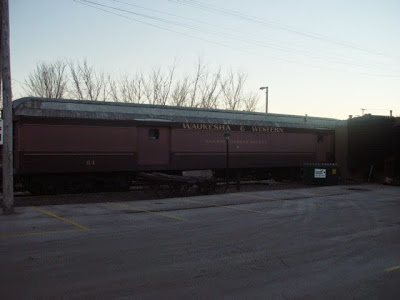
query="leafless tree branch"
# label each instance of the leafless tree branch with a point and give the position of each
(250, 101)
(48, 80)
(204, 89)
(210, 90)
(132, 88)
(232, 89)
(87, 84)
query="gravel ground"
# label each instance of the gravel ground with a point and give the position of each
(139, 192)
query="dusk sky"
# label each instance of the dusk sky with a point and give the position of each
(321, 58)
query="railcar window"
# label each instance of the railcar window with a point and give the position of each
(320, 138)
(154, 134)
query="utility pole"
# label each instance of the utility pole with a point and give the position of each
(8, 180)
(1, 53)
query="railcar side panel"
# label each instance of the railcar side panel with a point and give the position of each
(199, 149)
(64, 148)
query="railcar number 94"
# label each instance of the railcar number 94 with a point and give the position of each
(90, 162)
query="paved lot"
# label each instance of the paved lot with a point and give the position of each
(340, 242)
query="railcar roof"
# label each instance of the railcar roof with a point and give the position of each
(99, 110)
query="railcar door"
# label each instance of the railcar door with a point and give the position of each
(324, 151)
(153, 148)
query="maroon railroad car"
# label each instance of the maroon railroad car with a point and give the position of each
(72, 145)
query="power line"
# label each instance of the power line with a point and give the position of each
(159, 27)
(215, 9)
(85, 2)
(104, 8)
(312, 54)
(20, 82)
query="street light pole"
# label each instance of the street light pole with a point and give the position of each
(266, 97)
(227, 137)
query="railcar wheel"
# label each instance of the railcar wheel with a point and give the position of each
(122, 183)
(42, 185)
(35, 190)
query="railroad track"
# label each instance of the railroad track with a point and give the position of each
(141, 191)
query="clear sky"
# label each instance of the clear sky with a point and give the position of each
(318, 57)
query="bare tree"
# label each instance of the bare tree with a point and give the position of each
(158, 86)
(197, 79)
(203, 89)
(167, 85)
(113, 89)
(210, 90)
(48, 80)
(151, 88)
(232, 89)
(132, 88)
(87, 83)
(180, 92)
(250, 101)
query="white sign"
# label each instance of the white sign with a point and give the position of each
(1, 132)
(319, 173)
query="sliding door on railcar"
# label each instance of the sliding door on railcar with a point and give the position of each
(324, 150)
(153, 148)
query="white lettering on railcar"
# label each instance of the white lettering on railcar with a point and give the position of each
(224, 127)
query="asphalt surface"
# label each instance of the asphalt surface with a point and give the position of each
(337, 242)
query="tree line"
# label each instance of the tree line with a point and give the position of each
(203, 88)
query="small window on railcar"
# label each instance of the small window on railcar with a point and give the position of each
(154, 134)
(320, 138)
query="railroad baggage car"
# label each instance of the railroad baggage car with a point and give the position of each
(63, 145)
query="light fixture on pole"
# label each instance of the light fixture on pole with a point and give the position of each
(363, 110)
(266, 97)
